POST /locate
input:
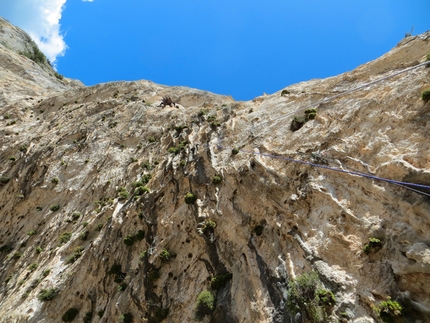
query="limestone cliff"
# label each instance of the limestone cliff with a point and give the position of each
(114, 209)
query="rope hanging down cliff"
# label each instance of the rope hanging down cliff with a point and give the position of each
(418, 188)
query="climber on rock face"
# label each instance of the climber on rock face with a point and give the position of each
(167, 101)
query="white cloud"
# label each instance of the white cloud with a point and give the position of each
(41, 20)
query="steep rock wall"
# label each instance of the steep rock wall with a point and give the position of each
(81, 148)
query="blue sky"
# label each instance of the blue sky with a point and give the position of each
(238, 48)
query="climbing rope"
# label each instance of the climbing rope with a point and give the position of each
(343, 93)
(407, 185)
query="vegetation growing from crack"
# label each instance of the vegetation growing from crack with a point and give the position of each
(216, 179)
(190, 198)
(205, 304)
(64, 237)
(131, 239)
(177, 149)
(47, 294)
(372, 246)
(220, 281)
(35, 55)
(425, 95)
(123, 193)
(77, 253)
(307, 295)
(165, 255)
(388, 310)
(70, 315)
(209, 226)
(299, 121)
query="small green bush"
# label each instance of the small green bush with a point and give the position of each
(32, 267)
(151, 139)
(310, 114)
(165, 255)
(425, 95)
(220, 281)
(153, 275)
(125, 318)
(88, 317)
(388, 310)
(140, 234)
(39, 249)
(23, 148)
(65, 237)
(285, 92)
(141, 190)
(129, 240)
(31, 232)
(372, 246)
(76, 215)
(12, 158)
(142, 255)
(47, 294)
(55, 180)
(175, 150)
(209, 226)
(205, 304)
(54, 207)
(77, 253)
(17, 255)
(326, 298)
(216, 179)
(306, 294)
(114, 269)
(234, 151)
(70, 315)
(146, 165)
(4, 180)
(99, 227)
(180, 128)
(59, 76)
(46, 272)
(100, 313)
(122, 287)
(190, 198)
(84, 235)
(299, 121)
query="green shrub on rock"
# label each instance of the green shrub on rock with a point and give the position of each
(165, 255)
(125, 318)
(425, 95)
(216, 179)
(190, 198)
(47, 294)
(388, 310)
(220, 281)
(307, 296)
(70, 315)
(372, 246)
(205, 304)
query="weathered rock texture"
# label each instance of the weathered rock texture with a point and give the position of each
(75, 147)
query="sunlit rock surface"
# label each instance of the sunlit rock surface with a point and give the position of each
(82, 149)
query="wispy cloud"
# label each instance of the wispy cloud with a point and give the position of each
(40, 19)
